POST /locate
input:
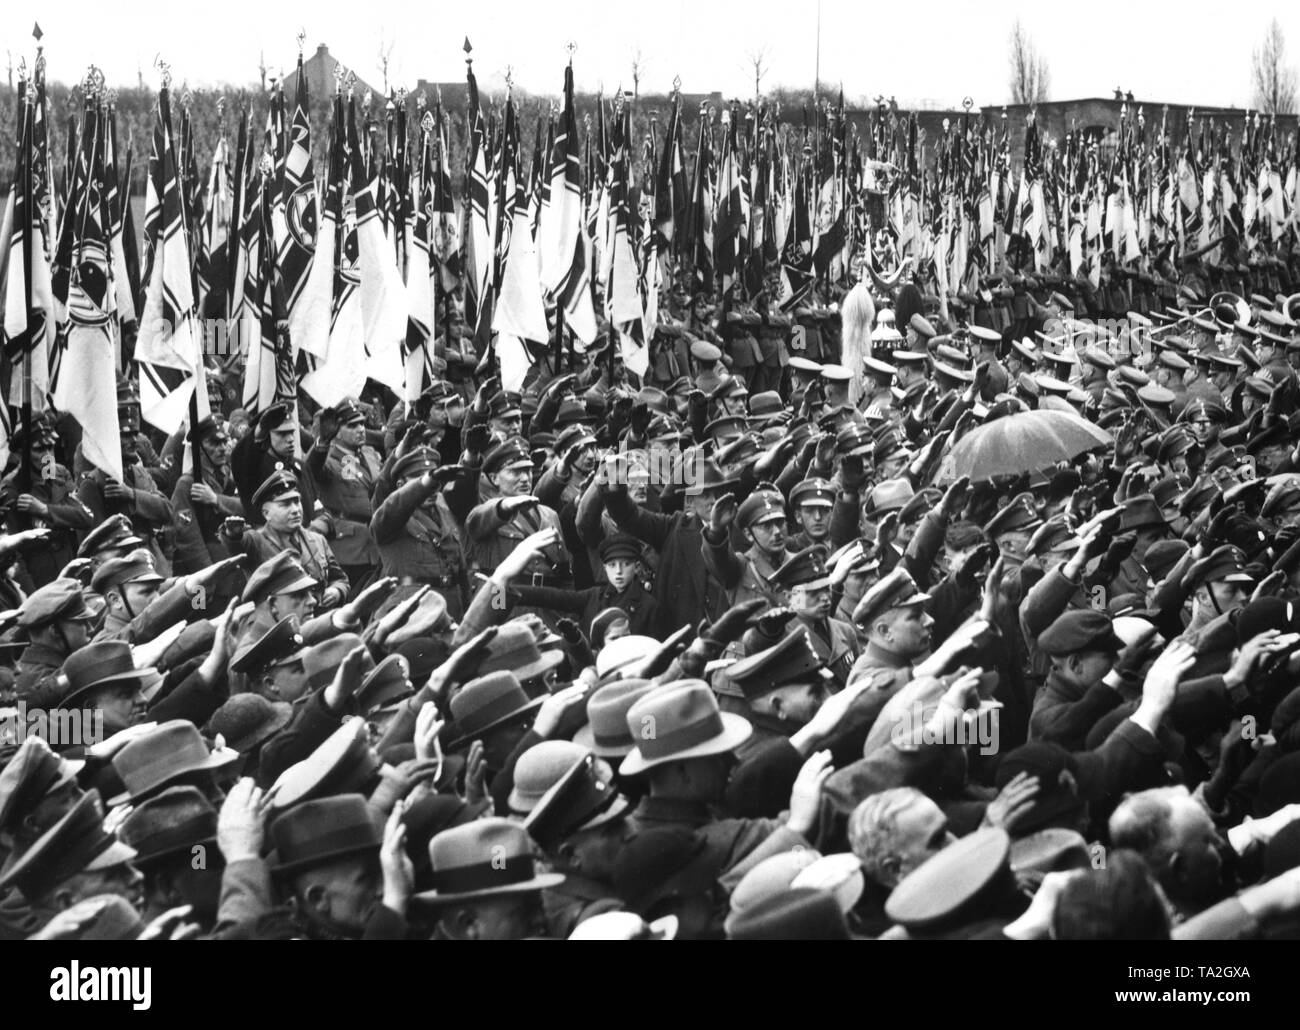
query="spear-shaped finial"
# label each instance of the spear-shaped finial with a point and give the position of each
(302, 39)
(426, 122)
(469, 51)
(677, 84)
(571, 47)
(164, 71)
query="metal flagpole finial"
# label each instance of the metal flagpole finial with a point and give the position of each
(677, 83)
(570, 47)
(469, 51)
(187, 98)
(366, 100)
(967, 103)
(338, 78)
(421, 100)
(426, 122)
(510, 78)
(401, 96)
(266, 164)
(302, 39)
(164, 71)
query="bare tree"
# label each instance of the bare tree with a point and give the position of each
(385, 56)
(1273, 78)
(638, 70)
(1030, 78)
(758, 58)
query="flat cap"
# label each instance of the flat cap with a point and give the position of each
(1079, 630)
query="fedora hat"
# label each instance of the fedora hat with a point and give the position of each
(605, 732)
(168, 751)
(317, 832)
(31, 772)
(514, 649)
(622, 653)
(172, 822)
(98, 664)
(538, 769)
(482, 859)
(487, 702)
(680, 721)
(246, 720)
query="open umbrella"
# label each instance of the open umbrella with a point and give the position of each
(1025, 442)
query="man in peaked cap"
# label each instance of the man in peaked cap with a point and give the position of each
(272, 664)
(807, 587)
(280, 588)
(48, 499)
(75, 859)
(1218, 585)
(812, 502)
(417, 527)
(278, 503)
(112, 538)
(137, 609)
(202, 505)
(512, 513)
(1011, 529)
(345, 469)
(893, 618)
(578, 823)
(271, 447)
(137, 497)
(57, 623)
(762, 524)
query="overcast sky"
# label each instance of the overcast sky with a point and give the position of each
(935, 53)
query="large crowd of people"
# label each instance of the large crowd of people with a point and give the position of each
(770, 643)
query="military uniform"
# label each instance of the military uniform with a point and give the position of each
(150, 512)
(420, 542)
(198, 543)
(345, 482)
(65, 516)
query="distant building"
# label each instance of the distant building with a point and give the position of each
(319, 71)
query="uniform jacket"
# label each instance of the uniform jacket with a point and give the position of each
(67, 518)
(421, 542)
(312, 549)
(151, 513)
(198, 544)
(345, 481)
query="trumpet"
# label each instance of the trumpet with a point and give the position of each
(1186, 318)
(1291, 307)
(1230, 311)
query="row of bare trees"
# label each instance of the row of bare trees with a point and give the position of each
(1273, 78)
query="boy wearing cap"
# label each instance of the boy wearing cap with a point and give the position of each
(624, 587)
